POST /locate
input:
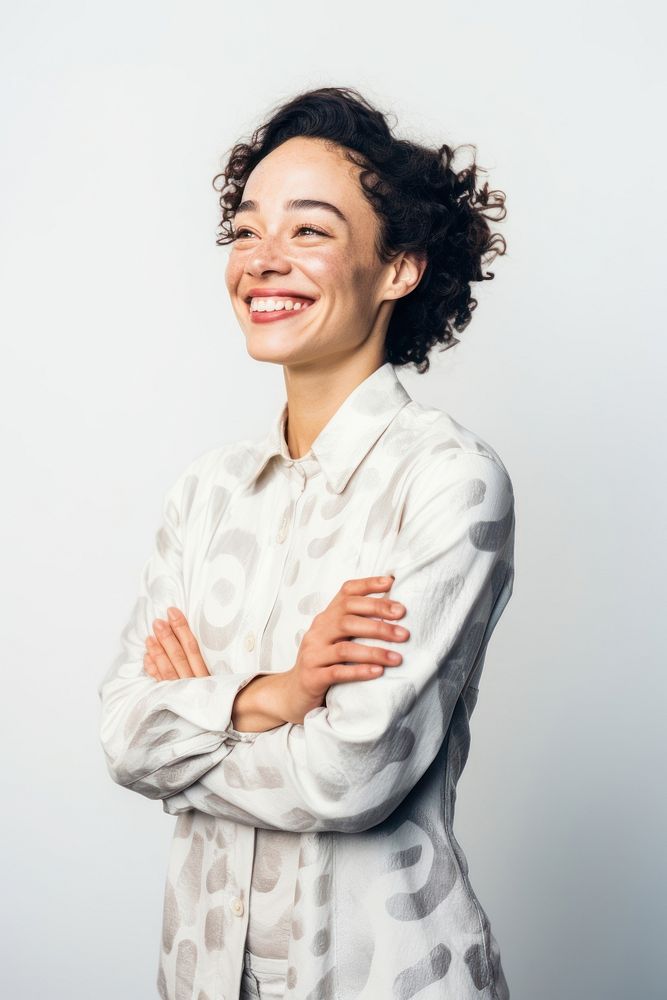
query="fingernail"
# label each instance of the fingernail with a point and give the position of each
(172, 613)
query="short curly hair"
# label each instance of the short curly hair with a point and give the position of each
(422, 204)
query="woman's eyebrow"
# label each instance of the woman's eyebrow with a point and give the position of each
(295, 204)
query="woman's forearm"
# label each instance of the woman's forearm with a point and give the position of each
(259, 705)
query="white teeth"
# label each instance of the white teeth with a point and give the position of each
(263, 304)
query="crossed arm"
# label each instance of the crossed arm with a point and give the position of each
(353, 759)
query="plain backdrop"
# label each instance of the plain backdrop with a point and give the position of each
(122, 360)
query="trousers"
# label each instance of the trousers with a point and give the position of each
(262, 978)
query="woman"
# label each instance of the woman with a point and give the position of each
(297, 677)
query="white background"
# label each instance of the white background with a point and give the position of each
(122, 360)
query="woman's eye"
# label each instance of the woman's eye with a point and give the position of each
(239, 233)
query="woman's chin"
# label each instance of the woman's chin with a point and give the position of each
(264, 349)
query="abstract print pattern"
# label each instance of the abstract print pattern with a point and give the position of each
(329, 844)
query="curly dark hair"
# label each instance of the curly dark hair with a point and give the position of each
(422, 203)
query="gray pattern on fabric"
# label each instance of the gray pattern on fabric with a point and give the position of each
(336, 834)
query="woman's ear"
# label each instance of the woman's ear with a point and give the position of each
(406, 273)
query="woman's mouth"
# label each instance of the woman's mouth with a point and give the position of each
(266, 309)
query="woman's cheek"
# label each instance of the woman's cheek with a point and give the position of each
(329, 267)
(233, 272)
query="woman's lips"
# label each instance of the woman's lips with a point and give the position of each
(276, 314)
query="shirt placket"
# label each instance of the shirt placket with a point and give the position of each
(283, 538)
(270, 575)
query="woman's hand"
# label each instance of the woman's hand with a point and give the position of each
(327, 645)
(173, 652)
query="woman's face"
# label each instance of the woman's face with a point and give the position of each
(308, 255)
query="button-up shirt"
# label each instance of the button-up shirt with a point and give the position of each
(253, 543)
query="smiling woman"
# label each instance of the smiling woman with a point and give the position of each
(339, 294)
(394, 200)
(309, 744)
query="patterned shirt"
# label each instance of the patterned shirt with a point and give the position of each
(349, 815)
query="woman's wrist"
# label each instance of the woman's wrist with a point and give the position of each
(261, 704)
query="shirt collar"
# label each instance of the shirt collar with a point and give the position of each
(350, 433)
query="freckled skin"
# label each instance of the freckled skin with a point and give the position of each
(355, 291)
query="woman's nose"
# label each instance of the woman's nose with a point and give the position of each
(269, 255)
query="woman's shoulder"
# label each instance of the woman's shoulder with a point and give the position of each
(442, 447)
(223, 464)
(214, 471)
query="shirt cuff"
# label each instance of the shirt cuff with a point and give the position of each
(236, 734)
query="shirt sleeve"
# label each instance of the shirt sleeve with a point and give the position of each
(160, 736)
(353, 760)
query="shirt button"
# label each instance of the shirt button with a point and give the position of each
(250, 642)
(236, 905)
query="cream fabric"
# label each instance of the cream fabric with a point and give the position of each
(263, 978)
(354, 808)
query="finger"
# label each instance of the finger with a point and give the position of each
(163, 660)
(353, 658)
(172, 646)
(377, 607)
(366, 585)
(340, 673)
(189, 644)
(356, 653)
(360, 669)
(150, 667)
(348, 626)
(357, 662)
